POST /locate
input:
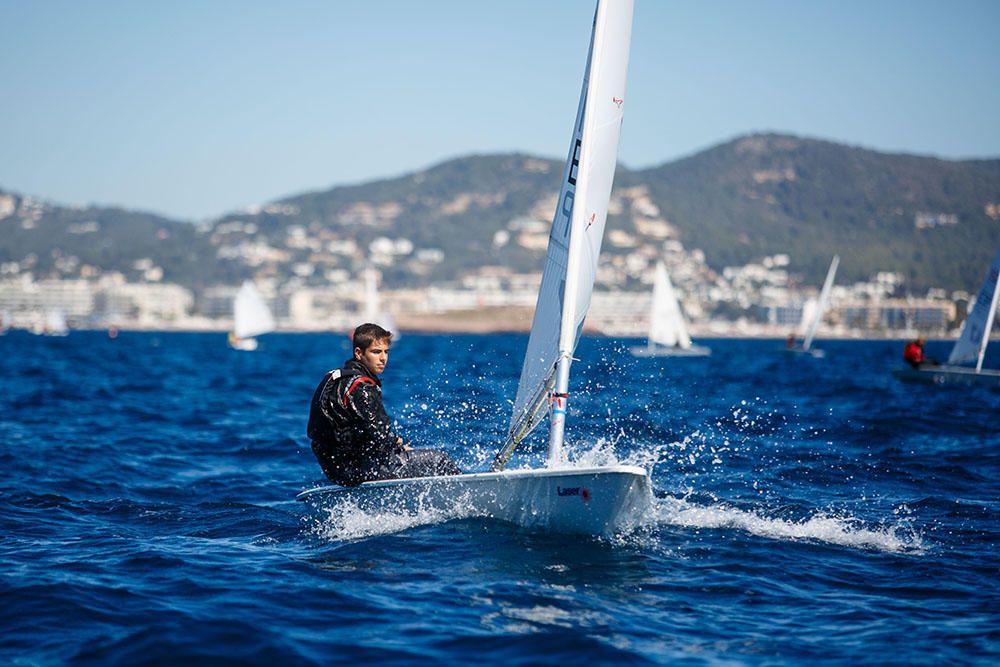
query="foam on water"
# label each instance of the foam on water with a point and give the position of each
(845, 531)
(346, 519)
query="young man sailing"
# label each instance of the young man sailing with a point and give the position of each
(352, 436)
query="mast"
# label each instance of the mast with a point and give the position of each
(603, 113)
(576, 234)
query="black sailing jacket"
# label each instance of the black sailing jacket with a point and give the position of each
(352, 436)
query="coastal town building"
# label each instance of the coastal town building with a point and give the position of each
(757, 299)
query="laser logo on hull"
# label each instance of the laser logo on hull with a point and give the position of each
(581, 491)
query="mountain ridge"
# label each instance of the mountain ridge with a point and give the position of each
(935, 221)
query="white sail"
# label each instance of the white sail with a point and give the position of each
(55, 323)
(808, 314)
(592, 500)
(578, 223)
(666, 321)
(251, 316)
(824, 301)
(971, 344)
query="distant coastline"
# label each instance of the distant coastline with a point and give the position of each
(479, 325)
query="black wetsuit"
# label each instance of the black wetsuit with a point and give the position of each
(352, 436)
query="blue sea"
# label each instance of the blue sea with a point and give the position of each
(808, 511)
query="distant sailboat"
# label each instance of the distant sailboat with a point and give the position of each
(814, 310)
(971, 344)
(55, 323)
(251, 317)
(597, 499)
(668, 334)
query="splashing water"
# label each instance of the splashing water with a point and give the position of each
(348, 519)
(354, 515)
(820, 527)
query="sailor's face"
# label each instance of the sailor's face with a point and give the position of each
(375, 357)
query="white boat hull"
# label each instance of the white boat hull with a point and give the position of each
(812, 352)
(244, 344)
(594, 501)
(664, 351)
(951, 375)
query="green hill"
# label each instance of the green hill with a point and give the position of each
(937, 222)
(767, 194)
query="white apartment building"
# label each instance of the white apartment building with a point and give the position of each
(23, 296)
(147, 303)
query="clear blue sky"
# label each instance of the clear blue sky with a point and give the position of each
(194, 108)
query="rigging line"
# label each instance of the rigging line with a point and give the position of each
(515, 438)
(529, 420)
(523, 427)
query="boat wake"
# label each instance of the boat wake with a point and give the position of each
(895, 535)
(846, 531)
(347, 521)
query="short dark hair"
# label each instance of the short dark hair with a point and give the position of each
(368, 333)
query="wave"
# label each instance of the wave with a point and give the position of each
(847, 531)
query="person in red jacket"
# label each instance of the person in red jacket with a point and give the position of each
(913, 353)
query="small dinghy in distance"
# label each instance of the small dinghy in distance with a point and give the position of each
(816, 315)
(971, 344)
(592, 500)
(251, 317)
(668, 333)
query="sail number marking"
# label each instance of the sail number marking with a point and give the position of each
(567, 202)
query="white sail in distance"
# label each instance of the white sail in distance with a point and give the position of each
(578, 224)
(55, 322)
(251, 316)
(824, 301)
(666, 321)
(975, 336)
(808, 314)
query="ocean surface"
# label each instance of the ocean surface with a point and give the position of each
(808, 511)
